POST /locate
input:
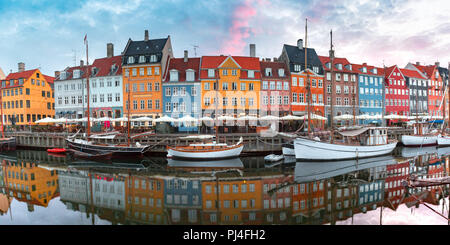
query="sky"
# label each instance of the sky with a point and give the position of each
(48, 34)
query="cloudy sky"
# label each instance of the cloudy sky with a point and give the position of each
(49, 33)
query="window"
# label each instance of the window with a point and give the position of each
(173, 75)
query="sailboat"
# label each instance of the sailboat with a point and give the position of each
(88, 146)
(9, 143)
(369, 142)
(204, 150)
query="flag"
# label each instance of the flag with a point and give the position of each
(85, 39)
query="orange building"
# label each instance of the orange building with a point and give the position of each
(234, 81)
(143, 64)
(145, 199)
(236, 195)
(27, 96)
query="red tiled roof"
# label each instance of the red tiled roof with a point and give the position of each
(24, 74)
(245, 62)
(426, 70)
(275, 66)
(104, 66)
(388, 70)
(69, 71)
(49, 79)
(358, 69)
(412, 73)
(343, 61)
(181, 66)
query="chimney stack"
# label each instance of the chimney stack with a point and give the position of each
(109, 50)
(21, 66)
(300, 44)
(437, 64)
(252, 50)
(418, 63)
(185, 56)
(146, 35)
(81, 63)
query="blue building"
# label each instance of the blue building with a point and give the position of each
(370, 193)
(183, 200)
(182, 91)
(371, 92)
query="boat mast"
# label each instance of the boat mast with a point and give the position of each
(1, 109)
(417, 112)
(216, 85)
(128, 116)
(332, 86)
(88, 131)
(308, 87)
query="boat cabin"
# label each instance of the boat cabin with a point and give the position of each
(367, 136)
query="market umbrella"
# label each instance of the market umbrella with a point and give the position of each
(344, 117)
(291, 118)
(164, 119)
(313, 117)
(269, 117)
(46, 120)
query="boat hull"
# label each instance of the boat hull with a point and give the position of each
(288, 150)
(7, 144)
(218, 154)
(311, 150)
(414, 141)
(443, 140)
(82, 146)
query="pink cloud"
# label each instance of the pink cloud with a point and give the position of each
(240, 28)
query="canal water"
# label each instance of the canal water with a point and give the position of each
(41, 189)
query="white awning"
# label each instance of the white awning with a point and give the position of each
(353, 132)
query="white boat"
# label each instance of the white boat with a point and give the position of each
(419, 140)
(206, 151)
(216, 164)
(372, 142)
(273, 158)
(288, 149)
(443, 140)
(408, 152)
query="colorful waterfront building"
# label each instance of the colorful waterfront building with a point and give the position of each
(236, 196)
(183, 200)
(294, 58)
(370, 194)
(435, 88)
(397, 100)
(344, 92)
(277, 200)
(418, 92)
(181, 90)
(393, 188)
(232, 81)
(308, 201)
(443, 72)
(143, 65)
(145, 200)
(340, 201)
(275, 89)
(371, 91)
(27, 96)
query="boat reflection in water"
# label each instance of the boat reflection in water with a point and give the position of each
(156, 191)
(409, 152)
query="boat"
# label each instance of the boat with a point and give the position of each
(57, 150)
(288, 149)
(206, 151)
(88, 146)
(99, 156)
(409, 152)
(359, 143)
(273, 158)
(232, 163)
(419, 140)
(314, 171)
(443, 140)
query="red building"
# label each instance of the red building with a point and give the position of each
(275, 89)
(396, 92)
(394, 190)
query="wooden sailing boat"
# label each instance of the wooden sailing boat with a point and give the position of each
(370, 141)
(88, 146)
(207, 150)
(6, 144)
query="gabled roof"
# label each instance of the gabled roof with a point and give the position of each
(104, 66)
(69, 72)
(343, 61)
(275, 66)
(181, 66)
(246, 63)
(359, 69)
(428, 71)
(412, 73)
(152, 46)
(297, 56)
(23, 74)
(49, 79)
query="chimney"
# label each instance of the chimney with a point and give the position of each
(300, 44)
(252, 50)
(146, 35)
(185, 56)
(418, 63)
(21, 67)
(81, 63)
(57, 73)
(275, 59)
(437, 64)
(109, 50)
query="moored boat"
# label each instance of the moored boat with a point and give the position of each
(419, 140)
(443, 140)
(206, 151)
(288, 149)
(57, 150)
(99, 156)
(117, 150)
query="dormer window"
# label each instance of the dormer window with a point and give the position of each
(436, 75)
(152, 58)
(141, 59)
(76, 73)
(364, 69)
(349, 66)
(316, 69)
(173, 75)
(281, 72)
(328, 65)
(62, 75)
(251, 74)
(297, 67)
(375, 71)
(130, 60)
(190, 75)
(268, 72)
(339, 66)
(211, 73)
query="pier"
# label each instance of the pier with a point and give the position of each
(255, 143)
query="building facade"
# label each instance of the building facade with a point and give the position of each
(183, 200)
(275, 89)
(143, 65)
(397, 100)
(27, 96)
(418, 92)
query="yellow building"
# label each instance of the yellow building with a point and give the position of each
(27, 96)
(143, 65)
(233, 81)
